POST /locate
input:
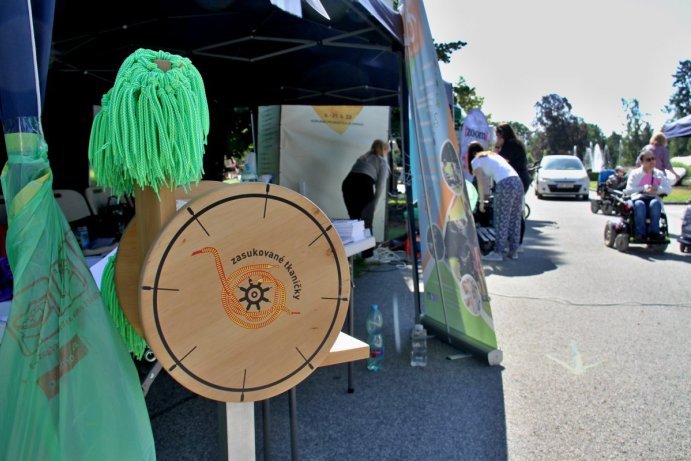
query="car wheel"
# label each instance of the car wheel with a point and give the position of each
(621, 242)
(585, 197)
(539, 195)
(610, 235)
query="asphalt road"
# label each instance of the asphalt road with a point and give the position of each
(596, 342)
(596, 366)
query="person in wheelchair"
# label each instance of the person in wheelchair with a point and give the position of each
(618, 180)
(645, 187)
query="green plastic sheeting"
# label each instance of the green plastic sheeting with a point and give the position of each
(68, 387)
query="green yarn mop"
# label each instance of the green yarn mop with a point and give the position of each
(152, 126)
(150, 132)
(135, 343)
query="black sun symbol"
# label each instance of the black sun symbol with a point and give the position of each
(254, 294)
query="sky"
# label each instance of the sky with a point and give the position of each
(592, 52)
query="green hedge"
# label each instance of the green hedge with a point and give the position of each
(686, 180)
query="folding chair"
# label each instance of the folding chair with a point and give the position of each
(77, 212)
(73, 204)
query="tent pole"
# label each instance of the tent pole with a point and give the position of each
(408, 181)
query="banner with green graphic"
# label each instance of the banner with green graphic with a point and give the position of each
(455, 301)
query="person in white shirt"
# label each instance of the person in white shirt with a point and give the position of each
(508, 198)
(645, 186)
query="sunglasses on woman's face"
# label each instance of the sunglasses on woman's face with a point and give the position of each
(649, 159)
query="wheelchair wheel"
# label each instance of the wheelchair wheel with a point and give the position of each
(594, 206)
(610, 235)
(607, 209)
(526, 211)
(621, 242)
(659, 247)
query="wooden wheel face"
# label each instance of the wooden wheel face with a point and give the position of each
(244, 292)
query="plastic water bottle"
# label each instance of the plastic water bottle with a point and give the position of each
(82, 234)
(375, 338)
(418, 352)
(248, 173)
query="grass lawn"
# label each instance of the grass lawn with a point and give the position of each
(680, 194)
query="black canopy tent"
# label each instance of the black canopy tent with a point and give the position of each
(249, 52)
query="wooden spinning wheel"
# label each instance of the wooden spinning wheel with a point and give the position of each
(244, 292)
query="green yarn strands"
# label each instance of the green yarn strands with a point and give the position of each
(152, 126)
(135, 343)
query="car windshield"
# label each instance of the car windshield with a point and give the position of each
(561, 164)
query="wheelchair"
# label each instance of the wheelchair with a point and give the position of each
(606, 200)
(619, 233)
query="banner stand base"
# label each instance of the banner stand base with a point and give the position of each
(493, 357)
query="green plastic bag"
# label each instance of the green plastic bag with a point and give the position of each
(68, 387)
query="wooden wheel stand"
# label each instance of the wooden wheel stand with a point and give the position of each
(240, 295)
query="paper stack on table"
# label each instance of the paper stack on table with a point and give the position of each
(350, 230)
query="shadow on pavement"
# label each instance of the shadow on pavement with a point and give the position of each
(451, 409)
(538, 257)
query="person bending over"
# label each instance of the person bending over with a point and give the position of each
(645, 186)
(508, 198)
(365, 184)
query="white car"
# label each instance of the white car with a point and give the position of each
(562, 175)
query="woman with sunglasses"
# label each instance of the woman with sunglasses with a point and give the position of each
(646, 185)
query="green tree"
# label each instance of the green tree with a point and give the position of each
(466, 96)
(239, 140)
(595, 134)
(536, 146)
(680, 106)
(444, 50)
(558, 130)
(637, 133)
(680, 102)
(613, 143)
(522, 131)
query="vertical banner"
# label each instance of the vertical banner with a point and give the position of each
(268, 141)
(319, 145)
(455, 301)
(475, 128)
